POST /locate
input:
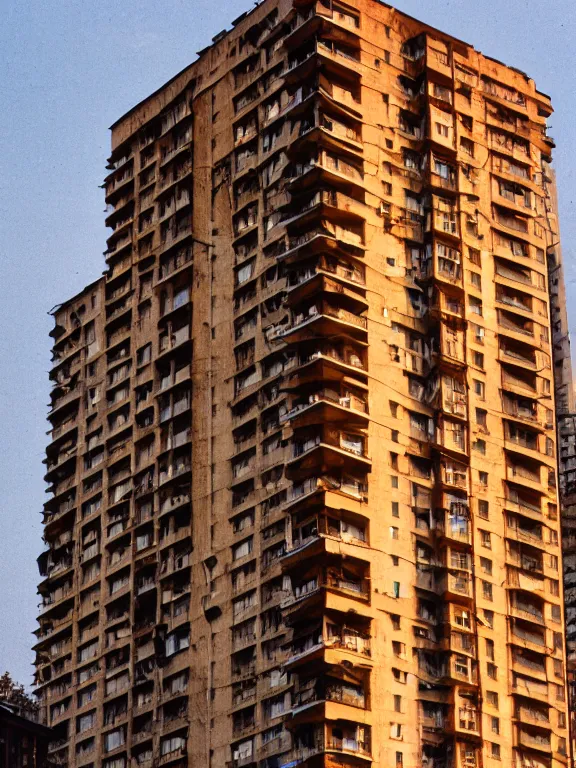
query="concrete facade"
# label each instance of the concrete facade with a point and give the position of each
(303, 453)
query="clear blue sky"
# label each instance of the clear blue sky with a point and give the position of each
(68, 69)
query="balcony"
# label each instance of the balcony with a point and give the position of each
(314, 285)
(327, 405)
(323, 318)
(346, 738)
(517, 355)
(529, 610)
(455, 527)
(327, 448)
(327, 237)
(515, 324)
(329, 576)
(344, 491)
(455, 586)
(330, 642)
(534, 738)
(530, 477)
(328, 362)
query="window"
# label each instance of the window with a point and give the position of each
(476, 280)
(483, 507)
(394, 481)
(483, 478)
(486, 565)
(442, 130)
(492, 670)
(485, 539)
(489, 618)
(475, 305)
(395, 731)
(85, 696)
(558, 668)
(396, 589)
(480, 389)
(467, 146)
(492, 698)
(395, 509)
(554, 562)
(555, 613)
(398, 648)
(393, 409)
(479, 333)
(397, 703)
(395, 619)
(481, 417)
(495, 748)
(400, 676)
(395, 560)
(487, 590)
(114, 739)
(395, 435)
(144, 355)
(474, 256)
(479, 446)
(393, 532)
(490, 649)
(399, 760)
(85, 722)
(478, 359)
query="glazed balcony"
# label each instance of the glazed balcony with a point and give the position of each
(448, 346)
(455, 527)
(329, 405)
(327, 449)
(325, 318)
(451, 436)
(455, 585)
(453, 475)
(444, 218)
(459, 669)
(342, 739)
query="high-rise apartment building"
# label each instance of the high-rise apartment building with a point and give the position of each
(303, 458)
